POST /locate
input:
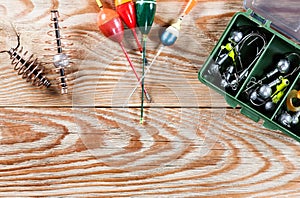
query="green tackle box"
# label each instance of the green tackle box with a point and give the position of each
(256, 64)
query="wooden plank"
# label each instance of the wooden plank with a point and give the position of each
(99, 68)
(104, 153)
(191, 143)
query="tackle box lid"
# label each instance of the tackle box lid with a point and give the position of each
(283, 14)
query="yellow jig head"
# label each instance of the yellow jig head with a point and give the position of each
(280, 90)
(230, 49)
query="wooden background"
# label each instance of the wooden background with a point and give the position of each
(90, 143)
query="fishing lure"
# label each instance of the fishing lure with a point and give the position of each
(260, 93)
(291, 118)
(282, 67)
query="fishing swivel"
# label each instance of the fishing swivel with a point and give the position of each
(29, 68)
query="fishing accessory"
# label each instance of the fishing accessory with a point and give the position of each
(288, 120)
(111, 26)
(169, 37)
(230, 65)
(295, 118)
(293, 95)
(171, 34)
(145, 12)
(283, 66)
(126, 11)
(263, 95)
(236, 36)
(60, 60)
(285, 119)
(29, 68)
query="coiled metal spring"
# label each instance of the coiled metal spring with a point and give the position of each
(29, 68)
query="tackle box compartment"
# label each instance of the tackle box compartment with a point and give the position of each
(255, 64)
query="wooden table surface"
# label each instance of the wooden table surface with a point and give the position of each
(90, 143)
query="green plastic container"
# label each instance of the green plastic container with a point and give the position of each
(255, 64)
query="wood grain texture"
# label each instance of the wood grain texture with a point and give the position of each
(96, 152)
(89, 143)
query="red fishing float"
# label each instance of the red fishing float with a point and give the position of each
(111, 26)
(126, 10)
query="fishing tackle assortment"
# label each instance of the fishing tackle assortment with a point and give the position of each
(140, 14)
(289, 114)
(269, 89)
(31, 69)
(237, 56)
(252, 65)
(169, 36)
(110, 24)
(257, 68)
